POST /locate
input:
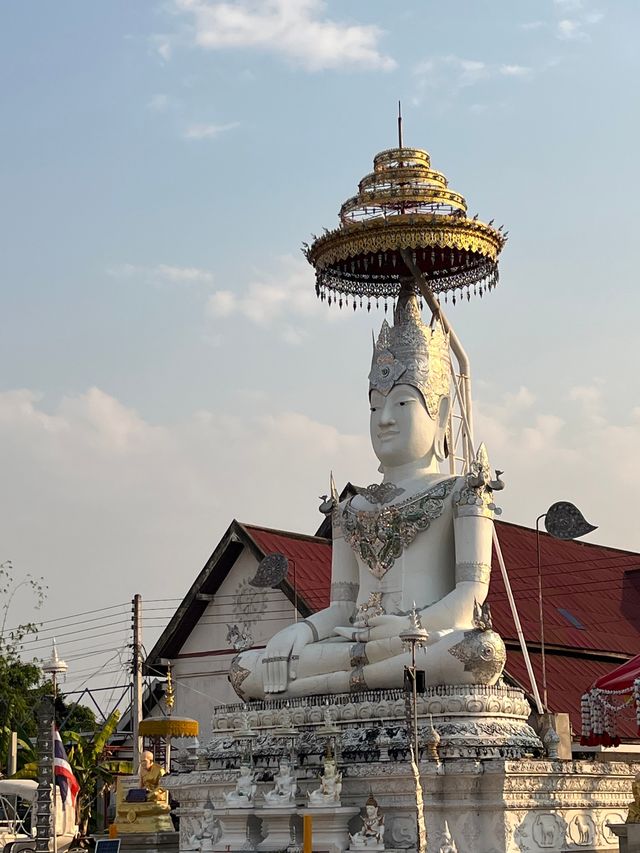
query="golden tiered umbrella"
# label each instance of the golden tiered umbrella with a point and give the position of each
(403, 222)
(165, 728)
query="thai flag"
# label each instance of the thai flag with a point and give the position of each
(65, 780)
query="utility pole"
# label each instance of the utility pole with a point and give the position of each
(136, 670)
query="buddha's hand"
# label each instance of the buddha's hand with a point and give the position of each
(379, 628)
(280, 659)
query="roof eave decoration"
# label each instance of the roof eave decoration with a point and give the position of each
(404, 205)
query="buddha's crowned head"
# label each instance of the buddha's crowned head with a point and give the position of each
(409, 386)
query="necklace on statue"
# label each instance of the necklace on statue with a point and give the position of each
(379, 493)
(379, 537)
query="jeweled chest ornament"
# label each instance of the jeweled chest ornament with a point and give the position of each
(380, 536)
(380, 493)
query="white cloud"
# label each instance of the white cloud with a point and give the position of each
(582, 456)
(99, 496)
(452, 74)
(298, 30)
(532, 25)
(570, 30)
(515, 70)
(162, 45)
(222, 303)
(158, 103)
(163, 273)
(281, 295)
(208, 131)
(568, 5)
(575, 28)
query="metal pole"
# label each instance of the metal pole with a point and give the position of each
(516, 620)
(12, 764)
(136, 709)
(45, 775)
(415, 701)
(541, 612)
(55, 786)
(467, 419)
(464, 365)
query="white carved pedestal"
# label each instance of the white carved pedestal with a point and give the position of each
(233, 833)
(493, 795)
(276, 825)
(330, 827)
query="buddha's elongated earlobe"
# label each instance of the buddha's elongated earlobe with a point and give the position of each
(440, 443)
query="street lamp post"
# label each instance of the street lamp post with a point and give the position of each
(54, 667)
(563, 520)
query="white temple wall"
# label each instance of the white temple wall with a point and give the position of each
(200, 669)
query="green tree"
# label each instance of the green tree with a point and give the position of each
(20, 682)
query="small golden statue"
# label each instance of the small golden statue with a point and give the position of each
(634, 807)
(141, 804)
(150, 775)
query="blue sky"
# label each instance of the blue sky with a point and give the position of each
(163, 364)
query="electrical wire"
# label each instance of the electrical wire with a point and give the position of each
(95, 629)
(74, 615)
(40, 631)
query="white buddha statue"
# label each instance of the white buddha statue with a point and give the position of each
(284, 791)
(419, 536)
(244, 793)
(371, 836)
(328, 794)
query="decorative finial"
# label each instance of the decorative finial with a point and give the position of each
(54, 666)
(400, 124)
(169, 699)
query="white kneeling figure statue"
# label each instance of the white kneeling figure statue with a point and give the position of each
(371, 836)
(328, 794)
(284, 791)
(244, 793)
(419, 536)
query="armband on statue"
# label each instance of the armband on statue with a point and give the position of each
(476, 572)
(475, 497)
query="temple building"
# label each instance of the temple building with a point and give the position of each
(591, 613)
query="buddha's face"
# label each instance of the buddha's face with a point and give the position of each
(402, 430)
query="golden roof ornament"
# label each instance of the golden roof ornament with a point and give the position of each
(404, 215)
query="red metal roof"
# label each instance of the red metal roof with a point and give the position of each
(309, 558)
(591, 586)
(591, 602)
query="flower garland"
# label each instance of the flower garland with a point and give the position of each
(599, 712)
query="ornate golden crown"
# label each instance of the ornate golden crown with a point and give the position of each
(412, 353)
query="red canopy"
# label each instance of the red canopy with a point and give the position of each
(621, 678)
